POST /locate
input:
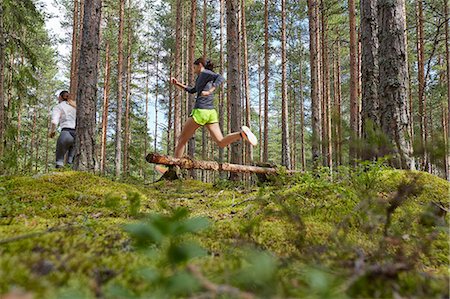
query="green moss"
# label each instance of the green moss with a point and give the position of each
(311, 221)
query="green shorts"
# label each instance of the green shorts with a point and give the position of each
(205, 116)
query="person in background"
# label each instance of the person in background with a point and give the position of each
(64, 115)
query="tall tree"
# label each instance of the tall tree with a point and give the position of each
(447, 58)
(337, 104)
(177, 70)
(314, 68)
(234, 86)
(191, 58)
(2, 77)
(354, 109)
(394, 115)
(285, 146)
(75, 46)
(421, 83)
(118, 151)
(266, 81)
(127, 133)
(105, 108)
(369, 69)
(248, 147)
(87, 87)
(222, 68)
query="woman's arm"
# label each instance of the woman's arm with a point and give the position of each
(183, 86)
(218, 80)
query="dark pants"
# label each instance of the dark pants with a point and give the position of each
(65, 145)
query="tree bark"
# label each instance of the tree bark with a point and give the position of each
(285, 146)
(211, 165)
(75, 47)
(248, 147)
(234, 86)
(369, 72)
(354, 129)
(118, 152)
(421, 84)
(394, 116)
(105, 108)
(177, 70)
(2, 79)
(127, 133)
(87, 87)
(222, 68)
(447, 58)
(337, 104)
(315, 100)
(266, 81)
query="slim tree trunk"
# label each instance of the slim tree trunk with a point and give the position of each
(118, 152)
(393, 95)
(169, 113)
(191, 59)
(421, 83)
(337, 104)
(370, 71)
(326, 99)
(177, 70)
(260, 110)
(447, 115)
(156, 103)
(2, 79)
(75, 47)
(87, 87)
(302, 116)
(222, 68)
(205, 53)
(127, 134)
(248, 147)
(234, 86)
(285, 146)
(147, 98)
(315, 100)
(105, 108)
(266, 81)
(353, 83)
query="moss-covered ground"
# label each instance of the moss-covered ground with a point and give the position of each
(374, 233)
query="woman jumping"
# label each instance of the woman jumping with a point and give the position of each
(204, 113)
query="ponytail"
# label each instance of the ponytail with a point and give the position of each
(207, 64)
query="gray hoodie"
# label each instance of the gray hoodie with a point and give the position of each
(205, 81)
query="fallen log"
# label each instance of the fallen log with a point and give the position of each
(187, 163)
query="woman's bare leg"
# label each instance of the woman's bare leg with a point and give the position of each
(188, 131)
(217, 135)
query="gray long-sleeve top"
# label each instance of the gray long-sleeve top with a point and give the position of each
(205, 81)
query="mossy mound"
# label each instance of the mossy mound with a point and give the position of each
(312, 226)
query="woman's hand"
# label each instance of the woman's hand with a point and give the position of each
(174, 81)
(206, 93)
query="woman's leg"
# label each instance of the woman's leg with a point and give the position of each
(217, 136)
(188, 131)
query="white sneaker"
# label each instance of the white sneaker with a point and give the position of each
(249, 136)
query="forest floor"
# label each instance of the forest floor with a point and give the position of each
(368, 233)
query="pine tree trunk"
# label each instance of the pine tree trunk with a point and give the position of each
(421, 84)
(87, 87)
(155, 145)
(127, 134)
(285, 146)
(266, 81)
(447, 115)
(369, 71)
(353, 83)
(394, 116)
(105, 108)
(177, 71)
(75, 47)
(118, 152)
(337, 104)
(315, 100)
(169, 113)
(191, 59)
(260, 110)
(234, 86)
(248, 147)
(2, 79)
(327, 143)
(147, 98)
(204, 140)
(222, 68)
